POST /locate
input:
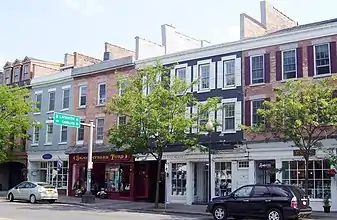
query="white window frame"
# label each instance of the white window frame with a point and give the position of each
(80, 95)
(63, 142)
(282, 63)
(209, 76)
(80, 142)
(99, 93)
(34, 141)
(49, 93)
(251, 70)
(176, 71)
(120, 88)
(99, 140)
(118, 118)
(8, 76)
(63, 91)
(329, 56)
(36, 95)
(243, 162)
(224, 62)
(224, 117)
(251, 109)
(47, 126)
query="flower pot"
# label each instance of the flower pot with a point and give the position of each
(327, 209)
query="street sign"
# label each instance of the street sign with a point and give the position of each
(67, 120)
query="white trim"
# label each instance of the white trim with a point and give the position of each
(52, 90)
(99, 141)
(245, 44)
(33, 139)
(199, 64)
(224, 70)
(229, 100)
(314, 54)
(251, 69)
(254, 53)
(46, 137)
(98, 93)
(62, 142)
(257, 97)
(80, 94)
(66, 87)
(231, 57)
(38, 92)
(282, 64)
(82, 84)
(324, 40)
(289, 47)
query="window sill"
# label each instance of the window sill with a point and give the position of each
(62, 143)
(50, 112)
(100, 105)
(322, 76)
(64, 110)
(99, 142)
(79, 142)
(37, 113)
(34, 145)
(202, 91)
(48, 144)
(229, 87)
(287, 80)
(257, 84)
(82, 107)
(228, 132)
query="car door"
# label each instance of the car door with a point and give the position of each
(260, 201)
(239, 200)
(24, 191)
(19, 191)
(27, 191)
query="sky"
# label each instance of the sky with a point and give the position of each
(47, 29)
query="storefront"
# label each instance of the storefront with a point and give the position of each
(49, 167)
(111, 172)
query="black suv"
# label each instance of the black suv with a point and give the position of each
(271, 202)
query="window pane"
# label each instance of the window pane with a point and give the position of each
(64, 133)
(80, 132)
(38, 102)
(257, 104)
(257, 69)
(179, 178)
(65, 98)
(101, 94)
(49, 136)
(100, 129)
(289, 64)
(83, 95)
(229, 73)
(204, 71)
(322, 58)
(51, 101)
(229, 116)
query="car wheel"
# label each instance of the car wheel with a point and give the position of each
(32, 199)
(274, 214)
(51, 201)
(10, 197)
(219, 213)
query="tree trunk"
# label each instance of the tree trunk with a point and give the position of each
(160, 155)
(306, 175)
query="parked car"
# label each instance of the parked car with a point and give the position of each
(271, 202)
(33, 192)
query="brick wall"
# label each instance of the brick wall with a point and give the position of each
(117, 52)
(250, 27)
(92, 111)
(266, 90)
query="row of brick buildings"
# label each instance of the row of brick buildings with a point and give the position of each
(243, 73)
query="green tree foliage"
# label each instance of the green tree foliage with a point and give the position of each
(156, 120)
(14, 118)
(303, 113)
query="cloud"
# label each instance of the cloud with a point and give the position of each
(85, 7)
(227, 34)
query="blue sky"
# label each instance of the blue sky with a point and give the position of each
(47, 29)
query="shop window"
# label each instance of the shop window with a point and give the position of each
(223, 178)
(178, 175)
(53, 174)
(319, 180)
(117, 178)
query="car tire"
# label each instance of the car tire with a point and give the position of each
(274, 214)
(32, 199)
(51, 201)
(219, 213)
(10, 197)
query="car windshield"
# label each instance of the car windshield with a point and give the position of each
(46, 185)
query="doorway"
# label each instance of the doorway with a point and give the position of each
(265, 171)
(200, 187)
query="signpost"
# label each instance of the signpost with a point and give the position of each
(67, 120)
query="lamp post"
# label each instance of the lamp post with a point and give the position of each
(209, 128)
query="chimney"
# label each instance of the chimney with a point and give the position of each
(68, 59)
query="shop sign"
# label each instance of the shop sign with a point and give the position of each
(300, 153)
(47, 156)
(111, 157)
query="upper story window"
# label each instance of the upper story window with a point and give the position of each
(8, 76)
(25, 72)
(64, 134)
(229, 73)
(181, 73)
(38, 102)
(16, 74)
(99, 129)
(121, 119)
(82, 96)
(229, 117)
(256, 104)
(36, 135)
(204, 76)
(121, 88)
(49, 133)
(65, 100)
(289, 64)
(322, 59)
(101, 94)
(257, 69)
(203, 118)
(51, 101)
(80, 133)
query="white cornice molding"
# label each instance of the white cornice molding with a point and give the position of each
(246, 44)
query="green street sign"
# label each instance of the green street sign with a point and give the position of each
(67, 120)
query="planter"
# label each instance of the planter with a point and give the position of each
(327, 209)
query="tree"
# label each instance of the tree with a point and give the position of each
(304, 113)
(14, 118)
(156, 120)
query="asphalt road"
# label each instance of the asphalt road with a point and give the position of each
(26, 211)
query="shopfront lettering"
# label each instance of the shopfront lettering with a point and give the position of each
(110, 157)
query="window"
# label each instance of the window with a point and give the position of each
(49, 133)
(117, 178)
(25, 72)
(289, 64)
(80, 132)
(256, 104)
(100, 129)
(65, 102)
(55, 174)
(257, 69)
(82, 96)
(203, 118)
(322, 59)
(8, 76)
(243, 192)
(229, 117)
(36, 135)
(16, 74)
(229, 73)
(204, 75)
(38, 100)
(319, 180)
(223, 178)
(243, 164)
(101, 93)
(261, 191)
(181, 74)
(178, 179)
(64, 134)
(121, 88)
(51, 101)
(122, 120)
(278, 191)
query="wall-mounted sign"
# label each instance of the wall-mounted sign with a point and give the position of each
(47, 156)
(102, 158)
